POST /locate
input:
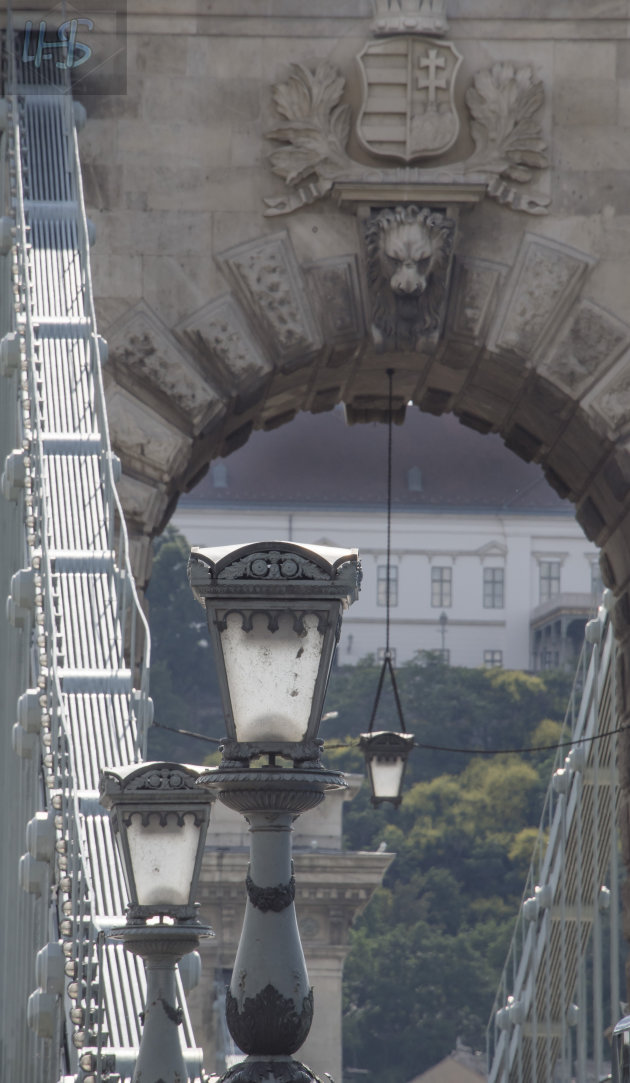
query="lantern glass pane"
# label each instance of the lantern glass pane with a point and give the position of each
(387, 772)
(271, 675)
(163, 857)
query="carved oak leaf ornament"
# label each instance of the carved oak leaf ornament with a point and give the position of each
(316, 127)
(503, 102)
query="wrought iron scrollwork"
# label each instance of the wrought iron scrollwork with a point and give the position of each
(269, 1024)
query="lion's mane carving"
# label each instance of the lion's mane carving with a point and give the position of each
(409, 253)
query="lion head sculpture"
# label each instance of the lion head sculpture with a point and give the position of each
(409, 253)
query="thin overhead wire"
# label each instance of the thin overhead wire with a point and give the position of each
(353, 743)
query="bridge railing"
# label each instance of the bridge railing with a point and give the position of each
(73, 601)
(550, 1012)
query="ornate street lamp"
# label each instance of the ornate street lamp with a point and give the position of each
(386, 755)
(274, 614)
(160, 819)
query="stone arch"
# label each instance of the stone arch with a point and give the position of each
(524, 353)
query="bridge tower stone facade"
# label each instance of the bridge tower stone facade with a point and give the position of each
(292, 198)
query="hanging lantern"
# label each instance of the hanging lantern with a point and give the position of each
(385, 758)
(386, 751)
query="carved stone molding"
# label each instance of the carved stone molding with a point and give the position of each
(612, 401)
(338, 298)
(591, 343)
(220, 334)
(142, 351)
(268, 279)
(545, 281)
(503, 102)
(148, 445)
(473, 298)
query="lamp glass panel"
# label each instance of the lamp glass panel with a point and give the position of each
(271, 675)
(163, 857)
(386, 775)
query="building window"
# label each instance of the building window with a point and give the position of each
(493, 588)
(381, 654)
(219, 474)
(441, 587)
(493, 659)
(549, 579)
(381, 587)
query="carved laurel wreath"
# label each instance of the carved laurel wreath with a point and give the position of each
(502, 100)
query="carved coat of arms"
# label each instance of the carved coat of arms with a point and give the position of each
(408, 109)
(408, 114)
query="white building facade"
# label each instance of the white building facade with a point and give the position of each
(499, 574)
(472, 585)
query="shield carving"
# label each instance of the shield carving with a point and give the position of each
(408, 106)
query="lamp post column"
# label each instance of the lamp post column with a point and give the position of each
(269, 1006)
(274, 616)
(160, 1057)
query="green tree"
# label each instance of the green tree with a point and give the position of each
(184, 685)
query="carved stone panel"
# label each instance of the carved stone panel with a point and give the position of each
(336, 289)
(612, 402)
(591, 344)
(145, 441)
(142, 350)
(141, 503)
(545, 281)
(269, 282)
(473, 297)
(219, 333)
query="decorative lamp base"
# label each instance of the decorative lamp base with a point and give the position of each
(160, 1057)
(270, 1070)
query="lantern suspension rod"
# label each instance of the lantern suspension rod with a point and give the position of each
(387, 659)
(390, 377)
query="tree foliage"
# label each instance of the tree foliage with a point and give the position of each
(426, 956)
(184, 685)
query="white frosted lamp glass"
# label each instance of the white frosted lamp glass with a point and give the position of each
(386, 756)
(159, 818)
(271, 670)
(163, 852)
(387, 773)
(274, 616)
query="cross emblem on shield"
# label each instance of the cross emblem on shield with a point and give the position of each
(408, 109)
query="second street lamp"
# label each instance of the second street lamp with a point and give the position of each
(274, 614)
(159, 819)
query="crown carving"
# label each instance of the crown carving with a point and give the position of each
(410, 17)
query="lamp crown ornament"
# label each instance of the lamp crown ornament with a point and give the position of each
(410, 17)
